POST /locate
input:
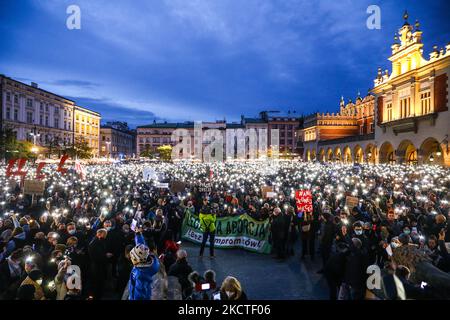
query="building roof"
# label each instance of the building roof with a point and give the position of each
(119, 130)
(254, 120)
(166, 125)
(87, 110)
(37, 88)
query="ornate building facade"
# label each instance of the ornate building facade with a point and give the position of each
(405, 119)
(413, 117)
(345, 136)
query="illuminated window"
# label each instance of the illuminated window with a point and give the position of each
(389, 111)
(412, 157)
(425, 102)
(405, 107)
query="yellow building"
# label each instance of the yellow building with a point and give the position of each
(87, 126)
(413, 117)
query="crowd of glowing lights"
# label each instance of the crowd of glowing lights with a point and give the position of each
(106, 184)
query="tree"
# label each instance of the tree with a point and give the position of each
(12, 148)
(80, 149)
(148, 152)
(54, 147)
(164, 152)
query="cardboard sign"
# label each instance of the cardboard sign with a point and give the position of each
(271, 195)
(177, 186)
(265, 190)
(34, 187)
(351, 202)
(303, 200)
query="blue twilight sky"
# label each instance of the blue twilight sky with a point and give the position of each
(204, 60)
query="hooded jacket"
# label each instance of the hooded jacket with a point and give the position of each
(141, 277)
(207, 222)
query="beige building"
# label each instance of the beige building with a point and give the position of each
(87, 127)
(36, 115)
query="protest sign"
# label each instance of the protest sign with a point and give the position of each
(177, 186)
(162, 185)
(271, 195)
(351, 202)
(232, 232)
(303, 200)
(34, 187)
(265, 190)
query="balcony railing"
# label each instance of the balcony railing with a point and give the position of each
(348, 139)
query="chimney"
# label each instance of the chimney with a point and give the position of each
(34, 85)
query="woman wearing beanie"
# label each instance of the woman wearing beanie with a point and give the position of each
(145, 266)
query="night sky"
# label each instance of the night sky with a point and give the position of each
(180, 60)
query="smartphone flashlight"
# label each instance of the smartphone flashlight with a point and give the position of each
(206, 286)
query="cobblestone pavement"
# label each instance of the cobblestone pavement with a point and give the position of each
(263, 277)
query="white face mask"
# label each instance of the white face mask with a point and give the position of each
(39, 282)
(229, 293)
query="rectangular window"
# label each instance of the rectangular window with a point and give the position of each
(361, 130)
(16, 115)
(425, 102)
(56, 123)
(41, 107)
(41, 120)
(8, 96)
(29, 117)
(8, 113)
(16, 98)
(46, 108)
(46, 121)
(29, 103)
(389, 111)
(405, 107)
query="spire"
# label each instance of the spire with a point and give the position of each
(342, 102)
(405, 17)
(396, 38)
(417, 25)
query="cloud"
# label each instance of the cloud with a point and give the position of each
(74, 83)
(111, 111)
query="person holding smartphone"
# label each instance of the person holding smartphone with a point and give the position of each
(145, 266)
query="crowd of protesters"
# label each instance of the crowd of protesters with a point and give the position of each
(114, 234)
